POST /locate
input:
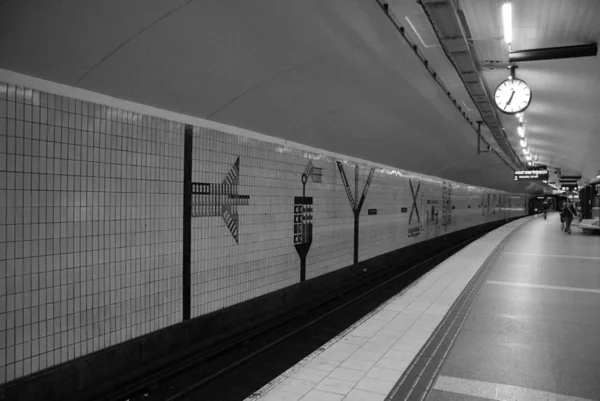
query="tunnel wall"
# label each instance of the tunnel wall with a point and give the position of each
(93, 226)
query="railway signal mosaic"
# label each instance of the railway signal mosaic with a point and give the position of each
(303, 217)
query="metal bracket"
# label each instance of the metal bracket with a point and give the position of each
(479, 140)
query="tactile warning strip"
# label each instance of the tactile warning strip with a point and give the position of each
(417, 381)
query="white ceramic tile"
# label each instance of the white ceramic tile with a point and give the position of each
(362, 395)
(279, 395)
(385, 315)
(323, 364)
(352, 338)
(336, 386)
(357, 364)
(401, 355)
(375, 385)
(351, 375)
(367, 355)
(339, 348)
(384, 374)
(318, 395)
(395, 364)
(295, 386)
(308, 374)
(377, 346)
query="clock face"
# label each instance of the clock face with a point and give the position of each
(512, 96)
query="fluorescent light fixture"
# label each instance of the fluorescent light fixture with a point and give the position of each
(528, 158)
(521, 130)
(537, 157)
(524, 151)
(597, 175)
(507, 20)
(530, 163)
(519, 116)
(523, 143)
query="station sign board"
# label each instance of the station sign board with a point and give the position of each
(569, 186)
(531, 175)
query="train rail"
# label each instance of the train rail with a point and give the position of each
(237, 368)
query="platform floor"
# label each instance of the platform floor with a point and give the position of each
(513, 316)
(533, 332)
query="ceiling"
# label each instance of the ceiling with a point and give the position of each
(335, 75)
(563, 121)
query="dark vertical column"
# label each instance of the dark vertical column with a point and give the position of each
(187, 221)
(303, 269)
(588, 202)
(356, 216)
(595, 202)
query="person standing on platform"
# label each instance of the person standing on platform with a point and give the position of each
(545, 207)
(570, 213)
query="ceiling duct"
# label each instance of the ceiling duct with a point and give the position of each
(451, 29)
(552, 53)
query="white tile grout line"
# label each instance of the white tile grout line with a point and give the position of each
(504, 230)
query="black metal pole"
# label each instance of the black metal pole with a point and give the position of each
(552, 53)
(356, 216)
(302, 268)
(187, 221)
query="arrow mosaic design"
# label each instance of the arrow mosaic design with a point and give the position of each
(212, 200)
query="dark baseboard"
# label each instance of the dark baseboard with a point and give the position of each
(94, 374)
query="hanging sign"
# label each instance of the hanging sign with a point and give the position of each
(531, 175)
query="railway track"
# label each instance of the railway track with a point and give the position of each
(240, 366)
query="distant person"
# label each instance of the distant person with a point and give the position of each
(570, 213)
(562, 215)
(545, 207)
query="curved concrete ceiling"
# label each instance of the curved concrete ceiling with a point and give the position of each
(330, 74)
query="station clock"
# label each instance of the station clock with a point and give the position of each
(512, 96)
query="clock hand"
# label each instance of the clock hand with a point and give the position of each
(511, 97)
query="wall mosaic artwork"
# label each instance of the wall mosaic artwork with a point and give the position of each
(117, 220)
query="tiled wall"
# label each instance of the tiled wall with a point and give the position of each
(90, 228)
(262, 258)
(91, 217)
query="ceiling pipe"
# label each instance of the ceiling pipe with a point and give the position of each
(386, 9)
(451, 30)
(553, 53)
